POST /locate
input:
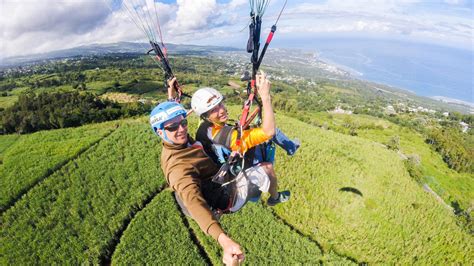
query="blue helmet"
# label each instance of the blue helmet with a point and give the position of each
(163, 113)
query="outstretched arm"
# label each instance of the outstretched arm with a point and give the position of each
(181, 180)
(251, 137)
(255, 136)
(263, 87)
(188, 190)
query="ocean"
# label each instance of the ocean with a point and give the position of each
(426, 69)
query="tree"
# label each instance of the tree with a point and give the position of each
(82, 86)
(58, 110)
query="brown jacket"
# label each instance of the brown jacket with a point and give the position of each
(185, 166)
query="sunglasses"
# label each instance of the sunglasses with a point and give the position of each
(173, 127)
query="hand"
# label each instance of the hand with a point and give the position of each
(171, 90)
(263, 85)
(232, 254)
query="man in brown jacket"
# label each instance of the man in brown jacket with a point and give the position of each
(188, 171)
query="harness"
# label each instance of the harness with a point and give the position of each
(233, 169)
(229, 177)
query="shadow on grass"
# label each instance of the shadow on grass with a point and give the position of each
(352, 190)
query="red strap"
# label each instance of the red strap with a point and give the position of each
(270, 36)
(245, 113)
(249, 101)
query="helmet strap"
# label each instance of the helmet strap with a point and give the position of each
(164, 136)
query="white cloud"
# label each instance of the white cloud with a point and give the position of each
(357, 6)
(50, 16)
(453, 2)
(384, 17)
(237, 3)
(38, 26)
(193, 15)
(207, 22)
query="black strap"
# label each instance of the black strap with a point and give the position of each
(250, 44)
(263, 149)
(201, 136)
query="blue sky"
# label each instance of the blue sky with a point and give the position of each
(41, 26)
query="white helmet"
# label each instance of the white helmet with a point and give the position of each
(205, 99)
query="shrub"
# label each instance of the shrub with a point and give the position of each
(394, 143)
(412, 164)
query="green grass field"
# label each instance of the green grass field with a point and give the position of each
(7, 101)
(30, 158)
(77, 214)
(449, 184)
(158, 234)
(107, 205)
(394, 221)
(266, 239)
(99, 87)
(6, 141)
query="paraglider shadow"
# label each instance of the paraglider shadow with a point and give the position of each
(352, 190)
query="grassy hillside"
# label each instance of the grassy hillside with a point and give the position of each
(158, 234)
(449, 184)
(269, 240)
(105, 205)
(5, 142)
(30, 158)
(77, 214)
(254, 227)
(394, 221)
